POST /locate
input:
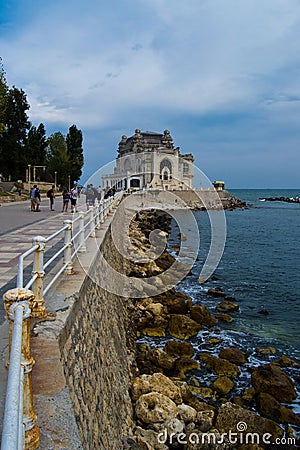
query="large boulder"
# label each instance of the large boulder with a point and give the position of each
(178, 303)
(220, 366)
(234, 355)
(155, 360)
(183, 365)
(272, 379)
(223, 385)
(155, 383)
(192, 400)
(204, 420)
(201, 315)
(235, 419)
(269, 407)
(186, 413)
(224, 317)
(160, 358)
(183, 327)
(226, 306)
(216, 293)
(178, 348)
(148, 439)
(154, 407)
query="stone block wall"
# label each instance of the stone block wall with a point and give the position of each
(95, 347)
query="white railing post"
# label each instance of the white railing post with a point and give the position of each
(105, 208)
(19, 305)
(110, 204)
(68, 249)
(97, 217)
(81, 240)
(101, 215)
(38, 271)
(92, 222)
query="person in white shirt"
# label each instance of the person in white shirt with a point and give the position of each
(74, 195)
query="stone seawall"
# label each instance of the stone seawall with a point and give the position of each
(95, 346)
(209, 199)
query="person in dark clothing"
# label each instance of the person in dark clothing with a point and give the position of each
(51, 196)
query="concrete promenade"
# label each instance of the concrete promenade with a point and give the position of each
(18, 225)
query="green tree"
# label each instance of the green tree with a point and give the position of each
(75, 152)
(13, 138)
(58, 159)
(36, 146)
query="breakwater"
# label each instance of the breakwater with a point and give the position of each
(281, 199)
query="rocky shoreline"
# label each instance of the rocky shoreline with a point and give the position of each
(188, 399)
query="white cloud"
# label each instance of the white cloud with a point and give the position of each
(109, 64)
(199, 56)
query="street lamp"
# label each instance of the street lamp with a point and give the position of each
(55, 179)
(69, 176)
(29, 174)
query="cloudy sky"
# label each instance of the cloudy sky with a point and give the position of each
(222, 75)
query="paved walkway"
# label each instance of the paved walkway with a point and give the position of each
(18, 226)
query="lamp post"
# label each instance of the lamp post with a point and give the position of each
(29, 175)
(55, 179)
(69, 177)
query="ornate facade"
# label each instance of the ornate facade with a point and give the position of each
(150, 160)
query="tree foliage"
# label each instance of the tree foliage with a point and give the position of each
(36, 145)
(13, 138)
(23, 144)
(75, 152)
(58, 157)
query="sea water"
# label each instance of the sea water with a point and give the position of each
(260, 269)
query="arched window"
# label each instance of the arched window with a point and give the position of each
(185, 168)
(127, 165)
(165, 170)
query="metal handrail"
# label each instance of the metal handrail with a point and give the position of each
(11, 435)
(89, 226)
(20, 276)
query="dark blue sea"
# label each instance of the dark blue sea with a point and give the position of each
(260, 268)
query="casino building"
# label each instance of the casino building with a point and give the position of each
(150, 160)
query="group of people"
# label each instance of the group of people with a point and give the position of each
(67, 197)
(92, 194)
(35, 199)
(70, 197)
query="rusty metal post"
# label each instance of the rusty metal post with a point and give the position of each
(68, 249)
(38, 270)
(13, 299)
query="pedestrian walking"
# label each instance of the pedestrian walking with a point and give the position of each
(66, 199)
(36, 199)
(51, 196)
(74, 195)
(31, 196)
(89, 196)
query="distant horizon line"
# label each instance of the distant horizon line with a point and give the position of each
(264, 188)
